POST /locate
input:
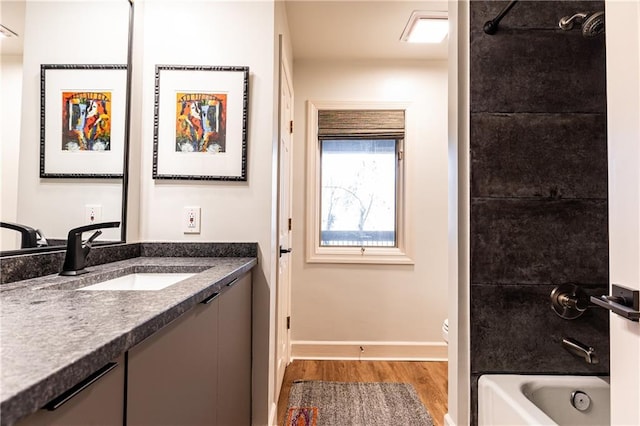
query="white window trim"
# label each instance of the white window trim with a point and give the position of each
(370, 255)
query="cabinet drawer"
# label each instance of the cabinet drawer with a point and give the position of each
(172, 375)
(99, 403)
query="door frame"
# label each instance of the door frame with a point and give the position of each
(623, 132)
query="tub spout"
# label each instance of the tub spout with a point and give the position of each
(580, 350)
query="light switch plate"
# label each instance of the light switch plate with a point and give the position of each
(191, 220)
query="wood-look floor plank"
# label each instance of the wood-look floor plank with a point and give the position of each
(428, 378)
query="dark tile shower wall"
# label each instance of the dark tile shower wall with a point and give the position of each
(538, 188)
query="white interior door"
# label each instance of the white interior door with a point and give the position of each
(284, 225)
(623, 138)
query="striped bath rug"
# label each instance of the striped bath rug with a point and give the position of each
(320, 403)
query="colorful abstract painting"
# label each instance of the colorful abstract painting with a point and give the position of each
(86, 121)
(201, 122)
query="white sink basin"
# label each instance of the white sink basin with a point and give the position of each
(140, 281)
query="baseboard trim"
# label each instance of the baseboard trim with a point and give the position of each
(448, 421)
(273, 415)
(380, 351)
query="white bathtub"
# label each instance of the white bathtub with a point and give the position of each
(513, 400)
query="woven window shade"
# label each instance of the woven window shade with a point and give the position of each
(350, 124)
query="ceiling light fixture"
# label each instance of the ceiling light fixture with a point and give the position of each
(6, 32)
(426, 27)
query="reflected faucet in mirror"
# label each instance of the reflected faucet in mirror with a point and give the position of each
(78, 250)
(29, 237)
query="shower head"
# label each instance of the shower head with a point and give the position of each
(592, 23)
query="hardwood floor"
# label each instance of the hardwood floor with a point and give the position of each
(428, 378)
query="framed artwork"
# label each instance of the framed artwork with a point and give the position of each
(200, 123)
(82, 120)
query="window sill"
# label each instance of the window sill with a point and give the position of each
(355, 255)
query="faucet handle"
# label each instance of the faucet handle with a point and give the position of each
(92, 237)
(41, 241)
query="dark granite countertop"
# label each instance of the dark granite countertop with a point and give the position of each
(53, 336)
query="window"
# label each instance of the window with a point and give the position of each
(356, 183)
(358, 192)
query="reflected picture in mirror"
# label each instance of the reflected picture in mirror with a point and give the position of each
(82, 120)
(38, 210)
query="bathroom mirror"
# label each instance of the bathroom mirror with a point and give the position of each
(60, 33)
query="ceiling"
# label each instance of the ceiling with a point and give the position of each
(320, 29)
(12, 17)
(358, 29)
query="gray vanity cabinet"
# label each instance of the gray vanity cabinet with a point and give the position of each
(197, 369)
(172, 376)
(234, 356)
(95, 401)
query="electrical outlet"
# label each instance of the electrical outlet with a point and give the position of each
(191, 220)
(92, 213)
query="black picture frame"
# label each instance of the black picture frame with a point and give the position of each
(200, 122)
(82, 120)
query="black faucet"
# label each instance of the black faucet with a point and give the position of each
(77, 250)
(30, 237)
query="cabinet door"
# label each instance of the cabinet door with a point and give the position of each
(172, 375)
(100, 403)
(234, 380)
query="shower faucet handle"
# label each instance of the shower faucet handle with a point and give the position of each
(622, 301)
(569, 301)
(592, 23)
(566, 22)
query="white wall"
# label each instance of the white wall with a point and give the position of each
(217, 33)
(220, 33)
(394, 311)
(623, 134)
(10, 108)
(55, 34)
